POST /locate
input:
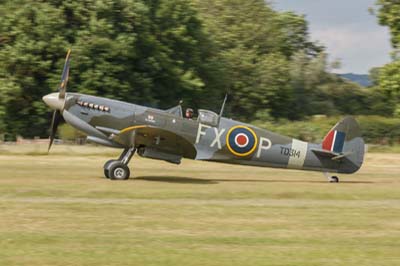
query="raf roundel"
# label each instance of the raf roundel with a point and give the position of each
(241, 141)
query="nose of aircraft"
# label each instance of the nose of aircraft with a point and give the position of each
(53, 101)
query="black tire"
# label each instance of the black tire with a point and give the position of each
(106, 173)
(334, 179)
(106, 165)
(118, 171)
(106, 168)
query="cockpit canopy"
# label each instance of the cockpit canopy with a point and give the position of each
(205, 117)
(208, 118)
(177, 110)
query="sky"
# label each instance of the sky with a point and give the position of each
(347, 30)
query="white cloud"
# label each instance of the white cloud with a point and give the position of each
(357, 50)
(346, 29)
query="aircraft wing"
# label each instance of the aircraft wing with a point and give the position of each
(157, 139)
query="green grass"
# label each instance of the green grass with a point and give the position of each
(58, 210)
(384, 148)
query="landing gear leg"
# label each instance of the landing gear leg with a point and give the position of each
(118, 169)
(331, 179)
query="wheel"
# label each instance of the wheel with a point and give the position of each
(106, 173)
(118, 171)
(108, 163)
(334, 179)
(106, 168)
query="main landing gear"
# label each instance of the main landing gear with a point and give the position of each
(332, 179)
(118, 169)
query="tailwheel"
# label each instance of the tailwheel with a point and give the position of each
(334, 179)
(118, 171)
(331, 179)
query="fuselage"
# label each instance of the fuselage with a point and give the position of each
(227, 141)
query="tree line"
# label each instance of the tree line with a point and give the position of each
(157, 52)
(387, 78)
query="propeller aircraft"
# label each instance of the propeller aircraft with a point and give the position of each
(170, 136)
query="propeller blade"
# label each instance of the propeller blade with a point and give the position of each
(64, 77)
(54, 125)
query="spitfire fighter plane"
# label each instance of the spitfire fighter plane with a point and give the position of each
(170, 136)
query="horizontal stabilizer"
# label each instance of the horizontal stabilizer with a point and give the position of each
(325, 153)
(329, 154)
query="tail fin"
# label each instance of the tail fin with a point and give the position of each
(345, 140)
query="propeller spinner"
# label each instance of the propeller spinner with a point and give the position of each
(56, 101)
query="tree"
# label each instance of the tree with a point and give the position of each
(389, 83)
(31, 37)
(256, 44)
(294, 35)
(389, 75)
(388, 15)
(148, 52)
(156, 52)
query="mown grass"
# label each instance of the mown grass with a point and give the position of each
(58, 210)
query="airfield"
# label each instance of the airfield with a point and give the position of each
(58, 209)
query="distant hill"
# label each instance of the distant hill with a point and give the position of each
(361, 79)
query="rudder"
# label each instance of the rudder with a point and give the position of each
(345, 139)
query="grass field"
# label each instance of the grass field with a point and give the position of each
(58, 210)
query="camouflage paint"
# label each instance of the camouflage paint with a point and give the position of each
(172, 136)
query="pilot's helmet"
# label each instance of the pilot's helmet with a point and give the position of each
(189, 113)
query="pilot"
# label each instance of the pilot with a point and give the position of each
(189, 113)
